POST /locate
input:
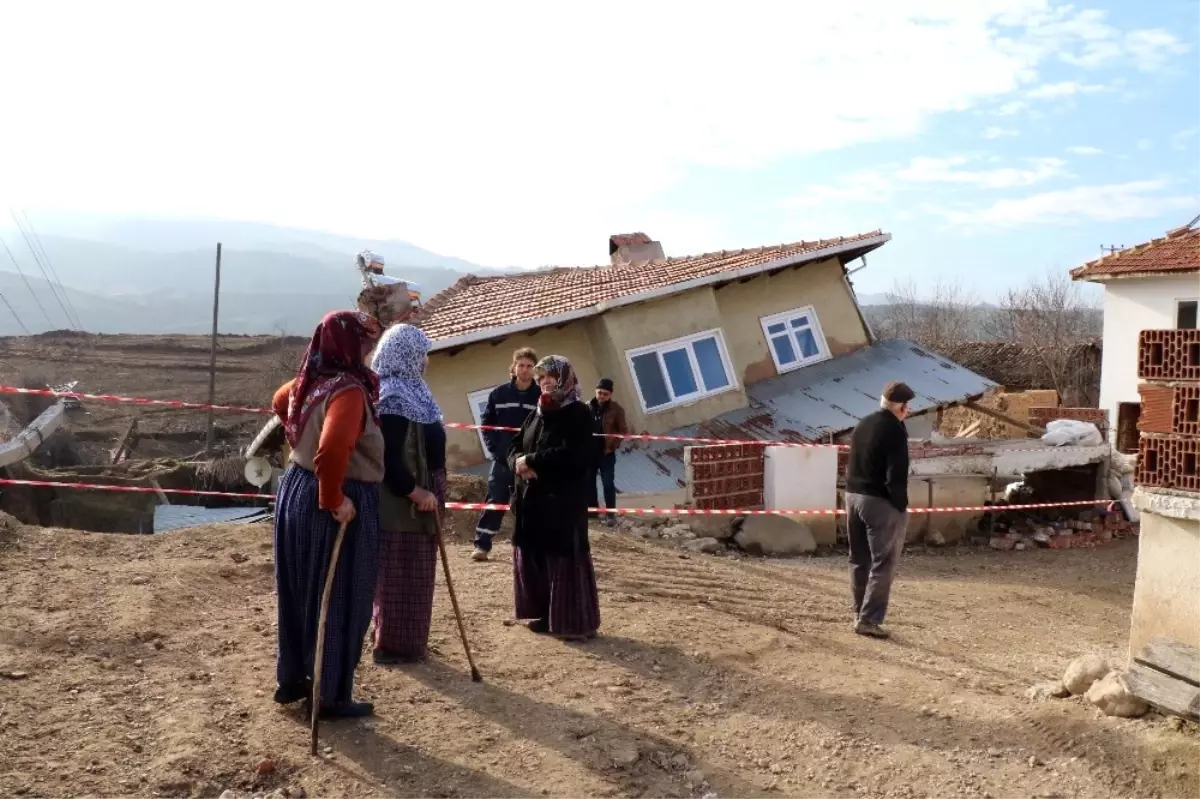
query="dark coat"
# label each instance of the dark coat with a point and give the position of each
(551, 511)
(507, 406)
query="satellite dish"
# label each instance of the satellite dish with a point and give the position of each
(258, 471)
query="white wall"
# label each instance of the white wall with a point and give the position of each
(1131, 306)
(803, 478)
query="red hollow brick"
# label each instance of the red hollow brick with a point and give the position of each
(1169, 462)
(1169, 354)
(1170, 409)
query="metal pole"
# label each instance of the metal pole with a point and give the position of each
(212, 359)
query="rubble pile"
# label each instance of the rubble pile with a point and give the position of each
(1015, 531)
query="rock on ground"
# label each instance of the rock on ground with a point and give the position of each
(709, 546)
(1047, 690)
(1113, 698)
(1084, 671)
(775, 535)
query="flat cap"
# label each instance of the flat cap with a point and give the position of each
(896, 391)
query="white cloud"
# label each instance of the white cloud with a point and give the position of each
(947, 170)
(1085, 150)
(1152, 49)
(1145, 145)
(1179, 141)
(995, 132)
(502, 133)
(1106, 203)
(1066, 88)
(1010, 108)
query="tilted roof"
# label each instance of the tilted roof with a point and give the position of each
(1178, 252)
(482, 308)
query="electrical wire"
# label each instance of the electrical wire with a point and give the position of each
(14, 313)
(45, 275)
(53, 272)
(21, 272)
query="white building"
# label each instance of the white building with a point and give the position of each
(1153, 286)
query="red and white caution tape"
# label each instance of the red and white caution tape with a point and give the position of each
(479, 506)
(203, 406)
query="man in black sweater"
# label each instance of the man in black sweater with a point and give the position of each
(877, 506)
(508, 405)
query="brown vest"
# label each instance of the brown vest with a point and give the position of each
(366, 460)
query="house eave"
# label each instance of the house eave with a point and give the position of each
(859, 245)
(1113, 277)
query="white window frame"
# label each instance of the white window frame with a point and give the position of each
(473, 399)
(786, 318)
(676, 343)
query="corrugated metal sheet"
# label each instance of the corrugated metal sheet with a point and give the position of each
(810, 404)
(175, 517)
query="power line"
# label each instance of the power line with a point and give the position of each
(63, 288)
(14, 313)
(21, 272)
(42, 268)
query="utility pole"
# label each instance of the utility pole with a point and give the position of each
(212, 360)
(1110, 249)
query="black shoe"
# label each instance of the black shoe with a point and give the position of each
(347, 710)
(293, 692)
(539, 626)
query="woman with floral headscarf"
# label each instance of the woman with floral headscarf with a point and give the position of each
(328, 413)
(413, 490)
(554, 581)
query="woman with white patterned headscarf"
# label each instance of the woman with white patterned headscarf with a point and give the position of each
(554, 581)
(412, 491)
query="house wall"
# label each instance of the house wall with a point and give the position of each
(453, 377)
(645, 323)
(820, 285)
(1166, 594)
(1131, 306)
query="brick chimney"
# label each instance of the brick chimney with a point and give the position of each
(629, 248)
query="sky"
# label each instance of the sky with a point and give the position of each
(995, 140)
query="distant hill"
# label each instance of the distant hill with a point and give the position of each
(148, 276)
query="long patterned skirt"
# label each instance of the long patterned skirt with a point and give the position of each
(404, 592)
(560, 589)
(304, 538)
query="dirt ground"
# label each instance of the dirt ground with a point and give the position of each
(249, 369)
(143, 666)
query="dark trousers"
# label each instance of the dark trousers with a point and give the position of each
(876, 532)
(604, 466)
(500, 482)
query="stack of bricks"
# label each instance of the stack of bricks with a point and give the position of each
(1041, 416)
(725, 476)
(1169, 447)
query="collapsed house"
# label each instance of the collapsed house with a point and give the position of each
(767, 344)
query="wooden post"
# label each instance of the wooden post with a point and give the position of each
(212, 360)
(1017, 423)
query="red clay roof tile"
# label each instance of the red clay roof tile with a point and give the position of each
(1175, 253)
(476, 304)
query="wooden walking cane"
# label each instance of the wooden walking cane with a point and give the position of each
(462, 630)
(315, 700)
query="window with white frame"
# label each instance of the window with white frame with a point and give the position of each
(478, 400)
(682, 370)
(795, 338)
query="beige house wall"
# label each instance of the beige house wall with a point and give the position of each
(479, 366)
(820, 285)
(597, 347)
(646, 323)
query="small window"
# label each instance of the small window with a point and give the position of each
(795, 338)
(478, 400)
(680, 371)
(1128, 416)
(1185, 316)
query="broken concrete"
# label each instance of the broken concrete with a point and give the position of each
(775, 536)
(1085, 671)
(1113, 697)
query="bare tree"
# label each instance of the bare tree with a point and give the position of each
(1050, 318)
(934, 318)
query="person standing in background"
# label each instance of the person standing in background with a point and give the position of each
(877, 506)
(608, 424)
(509, 405)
